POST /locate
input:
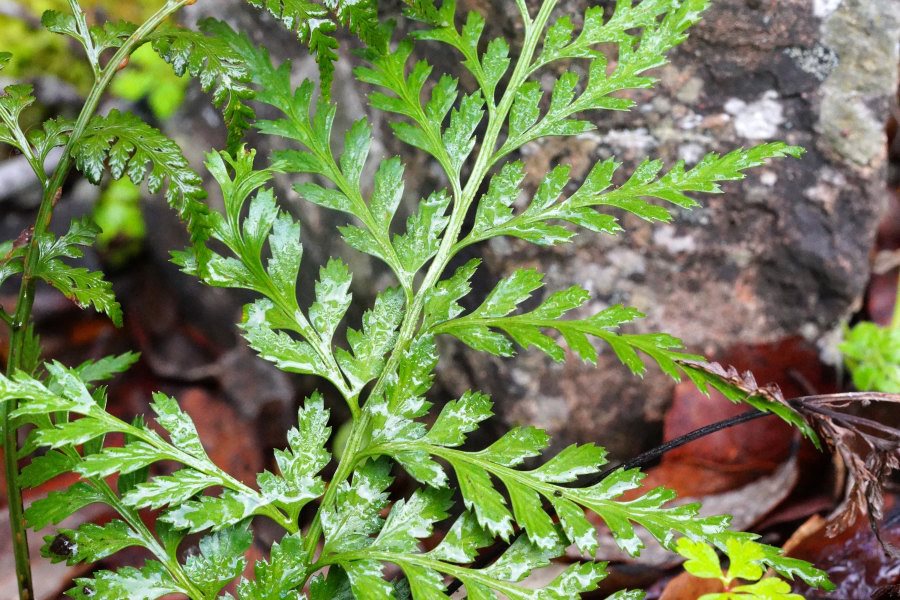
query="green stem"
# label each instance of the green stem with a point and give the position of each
(14, 503)
(20, 320)
(523, 9)
(85, 33)
(23, 144)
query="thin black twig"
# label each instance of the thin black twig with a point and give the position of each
(654, 453)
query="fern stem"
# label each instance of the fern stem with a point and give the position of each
(19, 327)
(524, 10)
(23, 144)
(11, 448)
(85, 33)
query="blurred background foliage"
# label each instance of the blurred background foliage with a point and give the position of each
(39, 53)
(57, 63)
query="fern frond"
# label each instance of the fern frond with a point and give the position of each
(360, 17)
(268, 320)
(210, 58)
(150, 582)
(360, 540)
(481, 328)
(540, 222)
(313, 25)
(84, 287)
(527, 490)
(143, 447)
(126, 145)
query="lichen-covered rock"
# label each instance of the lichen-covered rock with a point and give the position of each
(783, 252)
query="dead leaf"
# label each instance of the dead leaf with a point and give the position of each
(853, 559)
(870, 451)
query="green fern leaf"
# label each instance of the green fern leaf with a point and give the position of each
(537, 223)
(313, 131)
(85, 288)
(423, 233)
(296, 15)
(220, 560)
(283, 572)
(111, 34)
(376, 338)
(489, 68)
(143, 447)
(528, 490)
(174, 489)
(388, 71)
(13, 100)
(58, 505)
(89, 543)
(214, 512)
(124, 460)
(462, 541)
(332, 298)
(425, 573)
(637, 54)
(332, 586)
(312, 24)
(299, 464)
(279, 347)
(354, 517)
(442, 302)
(94, 39)
(266, 320)
(412, 520)
(479, 329)
(217, 65)
(105, 368)
(53, 133)
(147, 583)
(128, 146)
(45, 467)
(361, 18)
(367, 580)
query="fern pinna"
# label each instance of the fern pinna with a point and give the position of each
(384, 368)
